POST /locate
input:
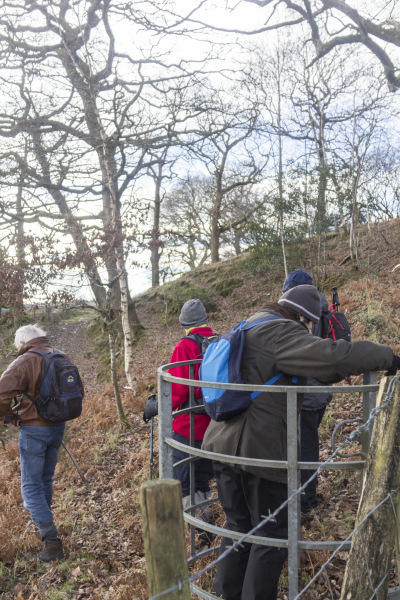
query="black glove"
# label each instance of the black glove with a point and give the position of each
(395, 366)
(151, 408)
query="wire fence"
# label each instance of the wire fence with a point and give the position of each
(363, 431)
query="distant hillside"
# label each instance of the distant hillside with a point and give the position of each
(234, 289)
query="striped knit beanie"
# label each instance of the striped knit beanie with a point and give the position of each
(303, 299)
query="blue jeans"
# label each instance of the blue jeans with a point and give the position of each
(38, 450)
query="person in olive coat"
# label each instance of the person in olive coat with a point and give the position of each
(313, 407)
(248, 493)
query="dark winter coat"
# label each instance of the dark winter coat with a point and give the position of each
(320, 400)
(286, 346)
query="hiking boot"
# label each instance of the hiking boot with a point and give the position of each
(205, 539)
(307, 517)
(52, 550)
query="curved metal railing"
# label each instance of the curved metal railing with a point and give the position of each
(293, 466)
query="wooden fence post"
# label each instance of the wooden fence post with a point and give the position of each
(164, 538)
(373, 543)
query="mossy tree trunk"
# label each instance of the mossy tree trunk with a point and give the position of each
(373, 542)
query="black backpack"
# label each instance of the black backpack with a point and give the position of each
(334, 323)
(60, 394)
(203, 343)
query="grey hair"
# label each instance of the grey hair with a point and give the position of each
(27, 333)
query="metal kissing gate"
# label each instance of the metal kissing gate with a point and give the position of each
(293, 544)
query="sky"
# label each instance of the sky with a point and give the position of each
(244, 15)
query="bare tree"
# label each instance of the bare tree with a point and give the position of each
(332, 24)
(187, 221)
(230, 153)
(84, 100)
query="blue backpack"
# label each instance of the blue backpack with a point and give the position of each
(221, 363)
(60, 393)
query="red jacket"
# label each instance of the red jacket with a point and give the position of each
(187, 349)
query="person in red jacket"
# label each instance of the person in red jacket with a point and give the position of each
(194, 319)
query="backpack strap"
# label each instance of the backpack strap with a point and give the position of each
(278, 375)
(195, 337)
(258, 322)
(199, 340)
(48, 354)
(43, 355)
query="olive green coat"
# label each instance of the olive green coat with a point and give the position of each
(285, 346)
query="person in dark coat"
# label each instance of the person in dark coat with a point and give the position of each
(314, 405)
(247, 493)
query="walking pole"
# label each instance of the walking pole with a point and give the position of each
(150, 411)
(151, 448)
(335, 299)
(68, 451)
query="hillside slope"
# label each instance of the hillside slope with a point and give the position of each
(234, 289)
(100, 524)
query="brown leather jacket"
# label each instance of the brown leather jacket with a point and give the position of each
(24, 374)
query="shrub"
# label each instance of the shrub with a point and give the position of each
(182, 291)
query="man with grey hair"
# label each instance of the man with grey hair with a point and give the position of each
(39, 439)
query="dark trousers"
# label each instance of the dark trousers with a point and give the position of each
(251, 572)
(203, 468)
(309, 423)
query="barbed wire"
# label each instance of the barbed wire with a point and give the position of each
(364, 428)
(349, 438)
(344, 542)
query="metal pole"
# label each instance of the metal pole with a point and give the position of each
(191, 464)
(369, 402)
(165, 427)
(151, 447)
(294, 503)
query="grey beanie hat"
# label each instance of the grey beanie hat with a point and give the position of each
(305, 300)
(193, 314)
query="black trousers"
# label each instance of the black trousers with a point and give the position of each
(252, 571)
(203, 467)
(309, 422)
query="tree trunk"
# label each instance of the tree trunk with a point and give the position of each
(320, 217)
(155, 237)
(374, 541)
(280, 175)
(215, 228)
(19, 303)
(73, 226)
(107, 161)
(236, 242)
(114, 380)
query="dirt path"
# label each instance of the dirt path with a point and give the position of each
(71, 338)
(99, 523)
